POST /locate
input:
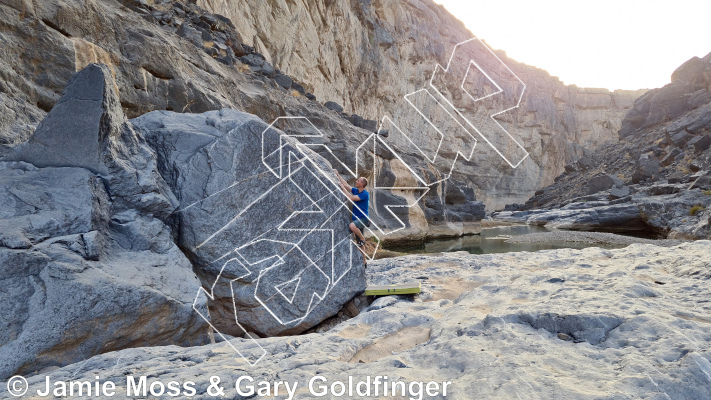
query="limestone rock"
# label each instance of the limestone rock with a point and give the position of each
(236, 216)
(71, 297)
(155, 68)
(17, 119)
(39, 204)
(603, 182)
(660, 209)
(374, 63)
(494, 325)
(88, 263)
(664, 140)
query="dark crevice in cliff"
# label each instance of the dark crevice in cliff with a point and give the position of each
(56, 27)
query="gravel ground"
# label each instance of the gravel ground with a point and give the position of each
(589, 237)
(590, 324)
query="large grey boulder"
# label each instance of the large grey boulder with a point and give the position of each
(647, 168)
(266, 235)
(71, 287)
(603, 182)
(87, 262)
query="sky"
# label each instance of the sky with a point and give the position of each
(622, 44)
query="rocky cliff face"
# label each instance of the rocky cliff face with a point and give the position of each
(659, 171)
(367, 55)
(178, 57)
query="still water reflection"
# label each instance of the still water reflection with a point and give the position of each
(491, 240)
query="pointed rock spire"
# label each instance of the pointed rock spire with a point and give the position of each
(75, 133)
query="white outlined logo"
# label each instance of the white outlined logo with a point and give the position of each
(456, 103)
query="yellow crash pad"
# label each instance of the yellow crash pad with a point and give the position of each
(402, 288)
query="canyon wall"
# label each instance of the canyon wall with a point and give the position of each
(656, 179)
(175, 56)
(367, 55)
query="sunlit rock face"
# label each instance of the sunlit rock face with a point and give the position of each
(367, 55)
(363, 56)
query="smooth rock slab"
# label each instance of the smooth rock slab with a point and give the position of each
(70, 290)
(87, 265)
(568, 324)
(276, 247)
(660, 208)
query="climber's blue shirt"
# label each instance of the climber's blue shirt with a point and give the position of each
(360, 209)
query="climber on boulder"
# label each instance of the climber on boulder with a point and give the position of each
(360, 198)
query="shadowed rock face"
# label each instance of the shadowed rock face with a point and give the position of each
(250, 232)
(688, 91)
(84, 120)
(86, 259)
